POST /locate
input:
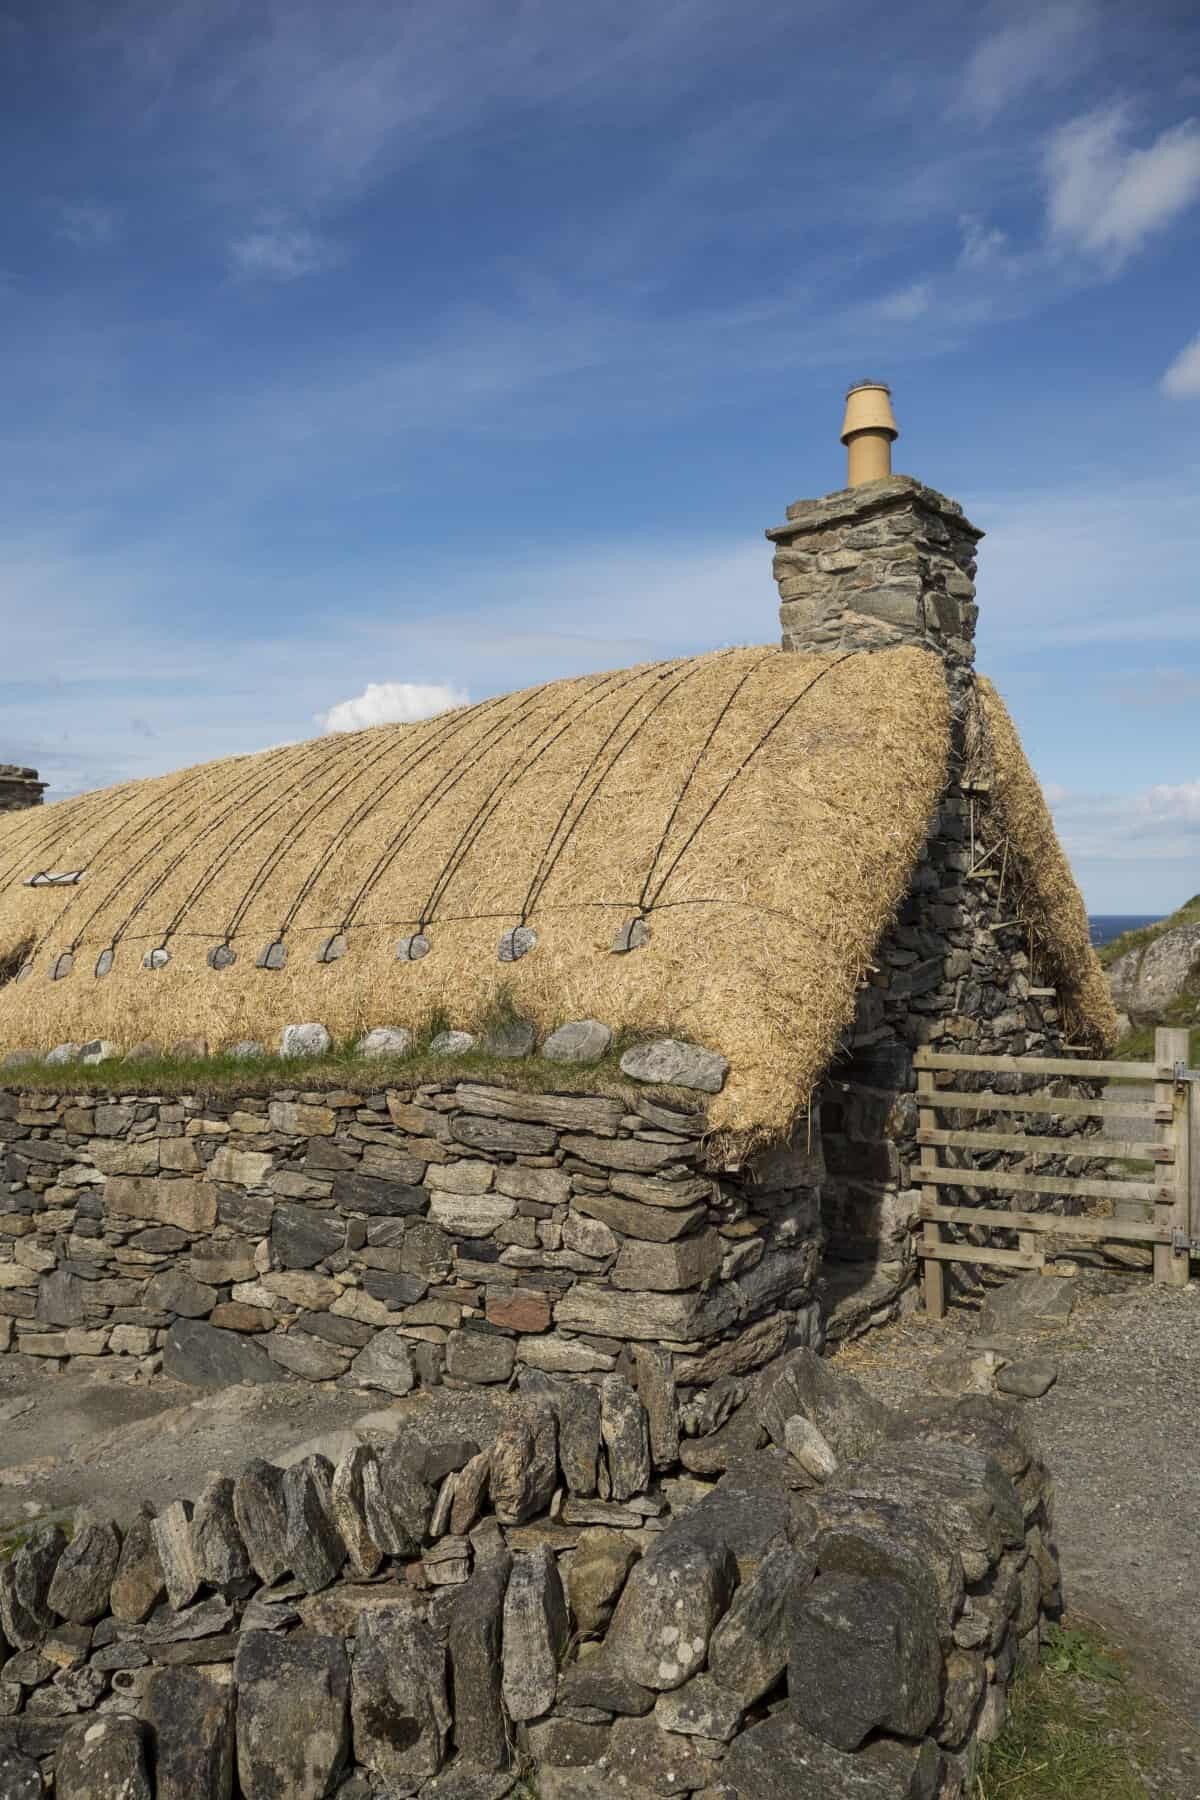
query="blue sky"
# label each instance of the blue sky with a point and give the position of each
(456, 345)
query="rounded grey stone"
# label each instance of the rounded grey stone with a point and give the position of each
(304, 1040)
(104, 963)
(24, 972)
(452, 1043)
(62, 966)
(412, 949)
(246, 1050)
(332, 948)
(385, 1040)
(272, 955)
(98, 1051)
(144, 1052)
(669, 1061)
(221, 956)
(64, 1053)
(516, 943)
(18, 1059)
(157, 958)
(631, 936)
(513, 1039)
(579, 1041)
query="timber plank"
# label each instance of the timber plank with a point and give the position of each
(1016, 1183)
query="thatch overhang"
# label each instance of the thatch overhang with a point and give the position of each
(762, 811)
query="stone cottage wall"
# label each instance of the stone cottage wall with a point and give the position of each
(19, 788)
(458, 1233)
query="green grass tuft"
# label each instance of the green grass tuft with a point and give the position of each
(1187, 914)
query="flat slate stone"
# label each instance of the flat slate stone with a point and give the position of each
(83, 1577)
(303, 1236)
(293, 1698)
(398, 1697)
(204, 1356)
(778, 1759)
(535, 1635)
(864, 1653)
(99, 1758)
(25, 1615)
(669, 1062)
(1028, 1380)
(191, 1716)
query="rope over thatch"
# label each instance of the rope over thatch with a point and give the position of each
(761, 810)
(1048, 902)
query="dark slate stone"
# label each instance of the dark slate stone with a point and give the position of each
(778, 1759)
(138, 1584)
(191, 1717)
(748, 1651)
(475, 1617)
(315, 1551)
(248, 1214)
(398, 1697)
(293, 1698)
(594, 1682)
(258, 1508)
(204, 1356)
(579, 1435)
(864, 1654)
(302, 1236)
(60, 1299)
(394, 1290)
(842, 1410)
(749, 1518)
(102, 1757)
(25, 1614)
(20, 1777)
(335, 1330)
(84, 1575)
(220, 1553)
(371, 1194)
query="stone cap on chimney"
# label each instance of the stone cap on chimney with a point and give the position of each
(854, 503)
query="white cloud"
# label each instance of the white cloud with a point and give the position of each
(280, 252)
(87, 227)
(907, 303)
(1037, 51)
(1182, 379)
(1105, 197)
(392, 703)
(1158, 824)
(983, 246)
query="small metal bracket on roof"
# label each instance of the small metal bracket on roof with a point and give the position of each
(62, 965)
(272, 955)
(104, 963)
(516, 943)
(332, 948)
(412, 949)
(157, 958)
(221, 956)
(49, 878)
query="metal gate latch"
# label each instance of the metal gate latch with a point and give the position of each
(1181, 1243)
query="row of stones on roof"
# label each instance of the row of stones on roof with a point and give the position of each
(666, 1061)
(831, 1605)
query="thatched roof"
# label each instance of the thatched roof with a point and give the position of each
(762, 809)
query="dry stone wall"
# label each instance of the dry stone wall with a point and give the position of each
(791, 1593)
(457, 1233)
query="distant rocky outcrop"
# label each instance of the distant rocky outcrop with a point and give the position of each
(1154, 974)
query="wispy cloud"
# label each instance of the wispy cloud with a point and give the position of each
(907, 303)
(1106, 196)
(1160, 823)
(392, 703)
(87, 227)
(1182, 380)
(1040, 50)
(280, 252)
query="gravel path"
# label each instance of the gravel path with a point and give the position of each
(1120, 1431)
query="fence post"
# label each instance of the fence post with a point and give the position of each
(935, 1271)
(1172, 1045)
(1194, 1154)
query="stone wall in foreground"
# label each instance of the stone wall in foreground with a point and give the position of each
(458, 1233)
(827, 1603)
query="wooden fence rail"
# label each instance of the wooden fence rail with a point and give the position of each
(1171, 1193)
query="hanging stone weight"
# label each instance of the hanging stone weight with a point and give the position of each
(516, 943)
(631, 936)
(156, 959)
(24, 972)
(62, 965)
(272, 955)
(221, 957)
(104, 963)
(332, 948)
(412, 949)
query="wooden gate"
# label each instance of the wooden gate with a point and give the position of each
(1160, 1128)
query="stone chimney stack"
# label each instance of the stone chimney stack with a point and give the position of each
(19, 788)
(883, 562)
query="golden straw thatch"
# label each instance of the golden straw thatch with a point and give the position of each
(1048, 901)
(763, 808)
